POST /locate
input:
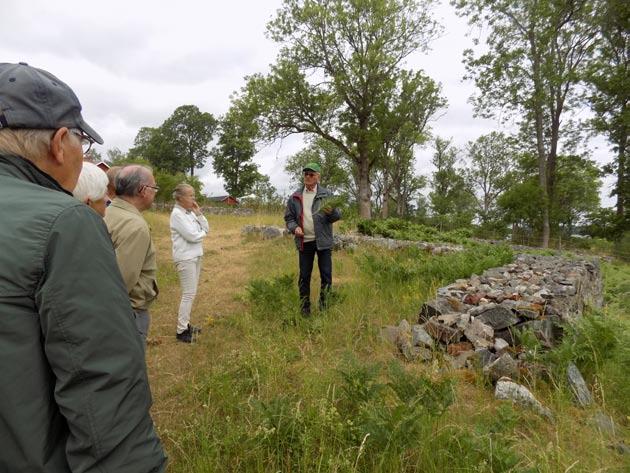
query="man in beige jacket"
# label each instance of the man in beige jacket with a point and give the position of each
(130, 233)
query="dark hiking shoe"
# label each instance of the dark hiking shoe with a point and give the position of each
(185, 336)
(194, 330)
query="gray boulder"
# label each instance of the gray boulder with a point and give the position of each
(508, 390)
(503, 366)
(578, 386)
(420, 337)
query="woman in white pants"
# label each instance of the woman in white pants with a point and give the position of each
(188, 229)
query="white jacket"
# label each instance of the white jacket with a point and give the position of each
(187, 233)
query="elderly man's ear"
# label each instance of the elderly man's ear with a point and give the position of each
(57, 145)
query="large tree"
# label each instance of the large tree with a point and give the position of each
(340, 61)
(577, 194)
(232, 157)
(490, 172)
(401, 120)
(180, 144)
(536, 54)
(451, 201)
(338, 173)
(190, 131)
(609, 92)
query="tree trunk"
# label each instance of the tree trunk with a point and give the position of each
(622, 185)
(365, 204)
(540, 143)
(386, 191)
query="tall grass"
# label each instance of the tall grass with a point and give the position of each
(280, 393)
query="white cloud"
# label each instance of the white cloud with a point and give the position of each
(133, 62)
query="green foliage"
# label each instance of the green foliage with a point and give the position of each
(232, 157)
(339, 75)
(599, 344)
(604, 223)
(274, 298)
(409, 265)
(607, 79)
(405, 230)
(264, 197)
(167, 183)
(333, 202)
(490, 174)
(337, 173)
(452, 199)
(576, 194)
(622, 247)
(534, 57)
(179, 144)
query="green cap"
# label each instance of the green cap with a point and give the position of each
(312, 167)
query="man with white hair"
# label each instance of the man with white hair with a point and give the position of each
(74, 393)
(91, 188)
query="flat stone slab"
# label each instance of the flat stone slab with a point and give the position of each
(498, 317)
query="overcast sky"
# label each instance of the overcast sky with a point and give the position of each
(131, 63)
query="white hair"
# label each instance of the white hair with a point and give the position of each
(92, 183)
(27, 143)
(179, 190)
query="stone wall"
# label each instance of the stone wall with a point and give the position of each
(480, 320)
(351, 241)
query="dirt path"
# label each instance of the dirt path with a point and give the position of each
(172, 365)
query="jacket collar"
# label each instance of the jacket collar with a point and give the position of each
(23, 169)
(181, 209)
(124, 205)
(321, 191)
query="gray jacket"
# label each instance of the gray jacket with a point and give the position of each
(294, 217)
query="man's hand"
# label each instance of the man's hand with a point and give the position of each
(195, 208)
(299, 232)
(327, 210)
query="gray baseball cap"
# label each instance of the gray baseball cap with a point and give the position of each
(34, 98)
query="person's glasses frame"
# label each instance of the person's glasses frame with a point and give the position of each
(310, 174)
(86, 141)
(155, 188)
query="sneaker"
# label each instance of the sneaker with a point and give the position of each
(194, 330)
(185, 336)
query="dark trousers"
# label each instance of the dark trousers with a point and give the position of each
(324, 262)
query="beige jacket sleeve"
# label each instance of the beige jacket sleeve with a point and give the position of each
(131, 252)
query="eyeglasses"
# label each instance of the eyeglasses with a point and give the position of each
(310, 174)
(86, 141)
(155, 188)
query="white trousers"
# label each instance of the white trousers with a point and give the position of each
(189, 271)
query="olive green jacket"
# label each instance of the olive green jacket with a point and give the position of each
(135, 253)
(74, 393)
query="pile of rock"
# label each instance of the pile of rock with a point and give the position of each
(268, 232)
(236, 211)
(481, 321)
(352, 241)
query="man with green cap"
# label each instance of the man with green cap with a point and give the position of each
(310, 220)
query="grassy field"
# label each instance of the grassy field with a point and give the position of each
(265, 390)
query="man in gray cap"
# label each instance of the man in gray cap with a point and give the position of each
(73, 384)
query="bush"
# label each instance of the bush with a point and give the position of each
(274, 298)
(400, 229)
(622, 247)
(412, 264)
